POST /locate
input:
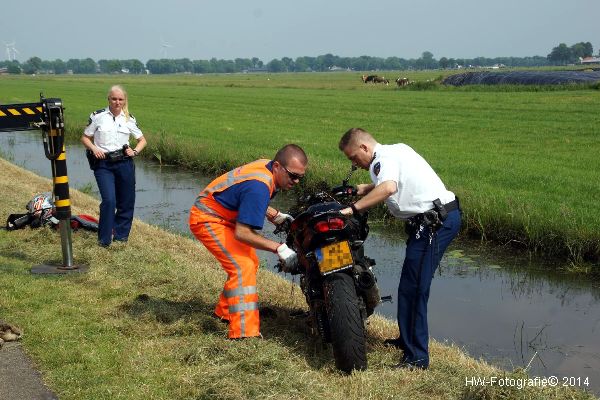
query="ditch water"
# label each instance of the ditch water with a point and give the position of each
(508, 312)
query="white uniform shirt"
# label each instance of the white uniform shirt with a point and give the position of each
(418, 184)
(111, 133)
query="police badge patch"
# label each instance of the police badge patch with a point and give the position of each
(377, 168)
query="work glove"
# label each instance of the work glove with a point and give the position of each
(280, 218)
(287, 257)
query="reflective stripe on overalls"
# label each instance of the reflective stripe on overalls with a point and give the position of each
(214, 226)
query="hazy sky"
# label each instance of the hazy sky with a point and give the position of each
(270, 29)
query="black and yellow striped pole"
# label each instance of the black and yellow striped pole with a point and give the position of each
(48, 115)
(19, 117)
(53, 134)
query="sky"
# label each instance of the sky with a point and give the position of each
(269, 29)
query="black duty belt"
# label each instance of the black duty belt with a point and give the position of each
(117, 155)
(434, 217)
(453, 205)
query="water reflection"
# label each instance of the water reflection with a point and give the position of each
(515, 315)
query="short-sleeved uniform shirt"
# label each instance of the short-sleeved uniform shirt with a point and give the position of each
(250, 199)
(110, 133)
(418, 184)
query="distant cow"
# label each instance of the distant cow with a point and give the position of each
(374, 79)
(367, 79)
(402, 81)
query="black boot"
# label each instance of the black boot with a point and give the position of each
(397, 343)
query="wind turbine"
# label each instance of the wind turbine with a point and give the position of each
(163, 48)
(11, 51)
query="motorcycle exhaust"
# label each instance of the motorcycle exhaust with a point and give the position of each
(366, 280)
(366, 284)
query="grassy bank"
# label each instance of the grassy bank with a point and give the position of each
(138, 325)
(520, 160)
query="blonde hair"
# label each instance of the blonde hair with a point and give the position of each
(125, 107)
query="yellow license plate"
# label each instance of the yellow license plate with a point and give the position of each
(334, 257)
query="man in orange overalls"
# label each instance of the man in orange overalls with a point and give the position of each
(226, 217)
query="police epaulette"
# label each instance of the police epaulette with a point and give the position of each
(99, 111)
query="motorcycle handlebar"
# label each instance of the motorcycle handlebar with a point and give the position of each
(284, 227)
(344, 190)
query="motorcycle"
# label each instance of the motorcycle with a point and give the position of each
(336, 276)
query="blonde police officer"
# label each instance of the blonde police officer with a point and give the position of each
(107, 141)
(413, 192)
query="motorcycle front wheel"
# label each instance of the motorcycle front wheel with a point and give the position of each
(345, 323)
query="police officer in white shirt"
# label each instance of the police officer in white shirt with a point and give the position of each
(107, 141)
(413, 192)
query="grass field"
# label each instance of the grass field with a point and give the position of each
(524, 161)
(138, 325)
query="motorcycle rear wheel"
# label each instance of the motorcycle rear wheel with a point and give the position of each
(345, 323)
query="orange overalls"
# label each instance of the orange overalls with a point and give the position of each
(214, 226)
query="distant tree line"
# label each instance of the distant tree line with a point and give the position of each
(560, 55)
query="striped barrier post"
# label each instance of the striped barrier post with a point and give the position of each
(19, 117)
(48, 115)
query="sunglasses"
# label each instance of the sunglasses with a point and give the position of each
(293, 176)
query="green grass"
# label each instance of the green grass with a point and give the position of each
(138, 325)
(522, 160)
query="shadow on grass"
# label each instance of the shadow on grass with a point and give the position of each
(289, 327)
(292, 328)
(168, 312)
(18, 255)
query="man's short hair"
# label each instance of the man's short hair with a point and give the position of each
(354, 135)
(289, 151)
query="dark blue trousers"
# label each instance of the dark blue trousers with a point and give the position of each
(116, 182)
(422, 259)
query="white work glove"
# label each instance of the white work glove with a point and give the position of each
(288, 257)
(280, 218)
